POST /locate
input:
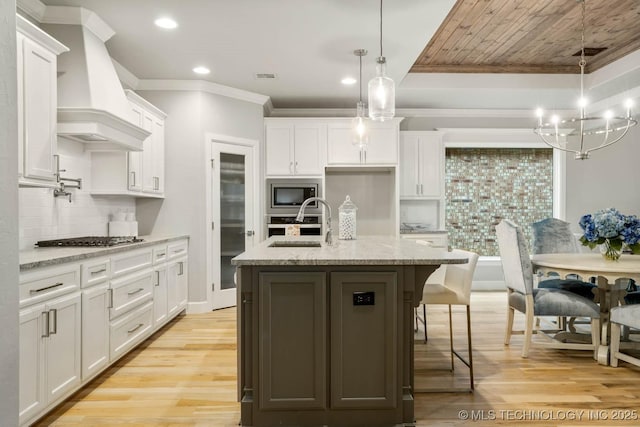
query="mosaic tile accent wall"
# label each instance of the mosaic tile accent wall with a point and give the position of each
(485, 185)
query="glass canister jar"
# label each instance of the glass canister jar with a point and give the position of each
(347, 220)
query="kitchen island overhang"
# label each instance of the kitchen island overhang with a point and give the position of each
(325, 334)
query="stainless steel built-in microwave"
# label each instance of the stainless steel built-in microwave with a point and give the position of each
(290, 195)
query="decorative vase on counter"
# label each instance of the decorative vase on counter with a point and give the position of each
(347, 220)
(609, 252)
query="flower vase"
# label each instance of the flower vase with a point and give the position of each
(609, 253)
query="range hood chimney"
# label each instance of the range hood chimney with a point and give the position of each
(92, 106)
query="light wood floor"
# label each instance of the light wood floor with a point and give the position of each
(185, 375)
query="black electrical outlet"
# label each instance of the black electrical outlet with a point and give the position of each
(364, 298)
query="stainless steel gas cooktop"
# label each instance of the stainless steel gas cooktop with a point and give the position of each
(90, 241)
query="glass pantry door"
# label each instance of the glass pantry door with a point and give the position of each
(232, 214)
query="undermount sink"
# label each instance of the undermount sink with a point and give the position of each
(295, 244)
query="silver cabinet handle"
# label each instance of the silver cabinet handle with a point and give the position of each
(133, 178)
(177, 251)
(181, 263)
(160, 255)
(36, 291)
(135, 292)
(156, 183)
(102, 270)
(417, 189)
(55, 321)
(295, 168)
(45, 323)
(157, 277)
(421, 188)
(110, 298)
(365, 155)
(135, 328)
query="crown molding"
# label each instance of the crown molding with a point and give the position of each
(35, 9)
(203, 86)
(68, 15)
(405, 112)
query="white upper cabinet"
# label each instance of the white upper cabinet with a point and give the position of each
(37, 103)
(133, 173)
(421, 164)
(382, 148)
(295, 147)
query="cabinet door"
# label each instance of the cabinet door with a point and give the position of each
(158, 155)
(160, 296)
(340, 150)
(309, 147)
(135, 157)
(63, 363)
(383, 145)
(32, 336)
(20, 103)
(176, 286)
(364, 340)
(148, 179)
(293, 344)
(95, 330)
(279, 149)
(431, 169)
(39, 106)
(409, 161)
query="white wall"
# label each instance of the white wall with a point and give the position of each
(8, 218)
(44, 217)
(191, 115)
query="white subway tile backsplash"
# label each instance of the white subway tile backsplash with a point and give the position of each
(44, 217)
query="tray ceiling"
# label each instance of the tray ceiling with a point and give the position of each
(530, 36)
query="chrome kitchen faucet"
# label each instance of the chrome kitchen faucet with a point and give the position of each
(328, 240)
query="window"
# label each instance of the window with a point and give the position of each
(485, 185)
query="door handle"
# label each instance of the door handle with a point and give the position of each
(181, 272)
(250, 233)
(55, 321)
(157, 277)
(133, 179)
(45, 315)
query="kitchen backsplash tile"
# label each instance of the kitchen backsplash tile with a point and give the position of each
(44, 217)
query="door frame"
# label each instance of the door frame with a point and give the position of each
(210, 139)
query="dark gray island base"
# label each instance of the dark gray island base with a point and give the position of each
(325, 334)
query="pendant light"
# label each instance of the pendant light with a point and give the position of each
(359, 128)
(382, 92)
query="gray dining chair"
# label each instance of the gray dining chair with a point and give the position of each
(623, 316)
(521, 295)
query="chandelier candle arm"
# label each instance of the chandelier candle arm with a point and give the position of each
(613, 128)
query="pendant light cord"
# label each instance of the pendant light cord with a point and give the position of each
(360, 78)
(583, 61)
(381, 28)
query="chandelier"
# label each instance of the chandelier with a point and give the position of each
(603, 130)
(359, 131)
(382, 92)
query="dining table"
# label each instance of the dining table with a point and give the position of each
(607, 272)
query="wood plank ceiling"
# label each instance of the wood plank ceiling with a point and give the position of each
(530, 36)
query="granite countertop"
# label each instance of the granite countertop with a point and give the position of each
(381, 250)
(422, 231)
(42, 257)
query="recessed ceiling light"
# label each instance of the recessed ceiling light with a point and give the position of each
(348, 81)
(166, 23)
(201, 70)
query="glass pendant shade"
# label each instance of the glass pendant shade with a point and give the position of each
(382, 94)
(359, 129)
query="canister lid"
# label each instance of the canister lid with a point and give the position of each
(348, 204)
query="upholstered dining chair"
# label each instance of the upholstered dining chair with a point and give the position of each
(553, 236)
(521, 295)
(455, 289)
(629, 317)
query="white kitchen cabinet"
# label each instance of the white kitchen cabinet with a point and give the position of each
(382, 148)
(37, 104)
(95, 330)
(177, 282)
(295, 147)
(160, 296)
(134, 173)
(421, 164)
(49, 353)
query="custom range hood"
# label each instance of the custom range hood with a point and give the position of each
(92, 106)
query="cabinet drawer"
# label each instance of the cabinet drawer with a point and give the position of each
(159, 254)
(94, 272)
(176, 249)
(130, 330)
(130, 291)
(43, 284)
(130, 261)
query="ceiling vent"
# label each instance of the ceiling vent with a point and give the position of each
(590, 51)
(268, 76)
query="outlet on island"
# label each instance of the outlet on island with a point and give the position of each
(364, 298)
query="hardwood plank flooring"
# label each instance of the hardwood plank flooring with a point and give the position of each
(185, 375)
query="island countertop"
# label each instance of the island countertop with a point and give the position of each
(379, 250)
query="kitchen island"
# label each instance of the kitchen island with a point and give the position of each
(325, 333)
